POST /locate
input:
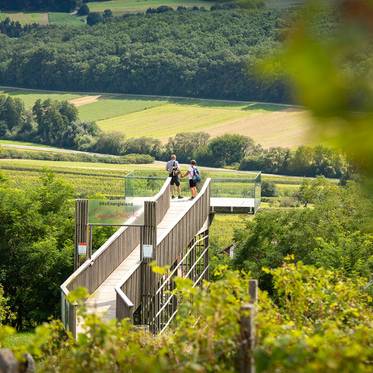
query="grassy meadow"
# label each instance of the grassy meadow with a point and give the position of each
(160, 117)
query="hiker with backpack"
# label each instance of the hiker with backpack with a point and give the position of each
(173, 169)
(194, 178)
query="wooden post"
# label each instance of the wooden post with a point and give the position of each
(247, 339)
(253, 291)
(81, 227)
(148, 237)
(247, 331)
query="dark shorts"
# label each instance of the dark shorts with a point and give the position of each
(175, 180)
(192, 183)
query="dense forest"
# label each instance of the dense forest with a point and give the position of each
(32, 5)
(180, 53)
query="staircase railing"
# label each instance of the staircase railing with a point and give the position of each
(170, 249)
(194, 265)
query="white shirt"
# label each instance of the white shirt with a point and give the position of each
(191, 172)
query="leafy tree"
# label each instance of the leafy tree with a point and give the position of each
(185, 144)
(144, 145)
(339, 216)
(269, 189)
(12, 113)
(56, 122)
(83, 10)
(312, 191)
(229, 149)
(110, 143)
(5, 313)
(35, 248)
(94, 18)
(107, 14)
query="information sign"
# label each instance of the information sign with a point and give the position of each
(113, 212)
(147, 251)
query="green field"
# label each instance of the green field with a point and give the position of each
(111, 106)
(89, 179)
(23, 143)
(29, 97)
(123, 6)
(26, 18)
(162, 117)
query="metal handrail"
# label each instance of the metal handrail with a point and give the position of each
(179, 264)
(175, 312)
(188, 273)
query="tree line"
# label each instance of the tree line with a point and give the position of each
(40, 5)
(182, 53)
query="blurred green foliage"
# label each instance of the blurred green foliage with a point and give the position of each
(328, 59)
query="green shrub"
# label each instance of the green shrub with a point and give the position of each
(74, 157)
(319, 321)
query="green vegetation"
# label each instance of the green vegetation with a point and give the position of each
(331, 234)
(163, 117)
(36, 227)
(123, 58)
(56, 123)
(334, 336)
(74, 157)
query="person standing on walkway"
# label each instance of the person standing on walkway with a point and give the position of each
(173, 169)
(194, 178)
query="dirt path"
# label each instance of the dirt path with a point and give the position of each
(81, 101)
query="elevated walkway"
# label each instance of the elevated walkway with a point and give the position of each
(103, 300)
(172, 233)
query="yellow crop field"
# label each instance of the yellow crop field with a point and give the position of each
(281, 127)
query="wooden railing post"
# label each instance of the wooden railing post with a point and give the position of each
(81, 227)
(148, 237)
(247, 331)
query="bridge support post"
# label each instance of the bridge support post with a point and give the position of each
(148, 278)
(81, 227)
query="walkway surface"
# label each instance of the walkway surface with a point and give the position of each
(103, 301)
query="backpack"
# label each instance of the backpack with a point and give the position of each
(196, 175)
(175, 170)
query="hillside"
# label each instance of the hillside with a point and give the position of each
(161, 118)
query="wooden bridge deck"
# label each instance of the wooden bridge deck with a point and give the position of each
(219, 204)
(103, 300)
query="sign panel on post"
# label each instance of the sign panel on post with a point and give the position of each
(147, 251)
(82, 248)
(114, 212)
